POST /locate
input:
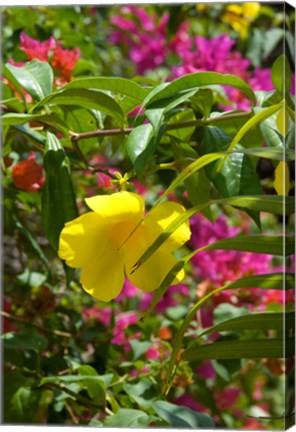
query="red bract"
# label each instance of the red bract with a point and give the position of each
(27, 175)
(35, 49)
(65, 61)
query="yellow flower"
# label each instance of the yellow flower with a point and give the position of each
(107, 242)
(241, 16)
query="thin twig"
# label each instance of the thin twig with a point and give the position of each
(43, 329)
(75, 137)
(70, 410)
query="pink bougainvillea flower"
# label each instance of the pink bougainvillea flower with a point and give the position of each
(122, 323)
(145, 34)
(65, 61)
(226, 398)
(95, 313)
(35, 49)
(27, 175)
(107, 242)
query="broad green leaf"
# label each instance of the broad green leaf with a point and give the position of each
(139, 347)
(279, 281)
(271, 40)
(143, 392)
(272, 204)
(180, 416)
(82, 120)
(281, 75)
(12, 119)
(21, 400)
(95, 389)
(248, 349)
(237, 175)
(12, 79)
(138, 145)
(194, 81)
(183, 134)
(27, 339)
(115, 85)
(259, 117)
(58, 198)
(128, 418)
(31, 133)
(258, 321)
(35, 77)
(83, 98)
(198, 187)
(203, 100)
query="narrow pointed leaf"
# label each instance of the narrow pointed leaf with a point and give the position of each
(249, 349)
(259, 322)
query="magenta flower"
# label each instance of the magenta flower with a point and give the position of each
(35, 49)
(227, 397)
(144, 34)
(122, 322)
(95, 313)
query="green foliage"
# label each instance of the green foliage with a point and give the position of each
(69, 359)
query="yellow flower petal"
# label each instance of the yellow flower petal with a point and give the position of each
(103, 276)
(159, 218)
(282, 179)
(81, 238)
(150, 275)
(120, 206)
(251, 10)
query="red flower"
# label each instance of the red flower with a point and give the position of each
(27, 175)
(35, 49)
(65, 61)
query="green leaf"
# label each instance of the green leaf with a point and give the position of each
(281, 75)
(97, 389)
(103, 380)
(128, 418)
(248, 349)
(138, 145)
(183, 134)
(84, 98)
(257, 321)
(180, 416)
(14, 104)
(48, 119)
(278, 281)
(272, 245)
(143, 392)
(273, 204)
(28, 339)
(139, 347)
(194, 81)
(115, 85)
(20, 399)
(58, 198)
(203, 100)
(237, 175)
(35, 77)
(271, 40)
(259, 117)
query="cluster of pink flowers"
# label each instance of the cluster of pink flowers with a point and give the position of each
(63, 60)
(145, 36)
(149, 48)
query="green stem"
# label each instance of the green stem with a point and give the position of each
(173, 363)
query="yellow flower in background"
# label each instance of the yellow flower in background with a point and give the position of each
(107, 242)
(240, 16)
